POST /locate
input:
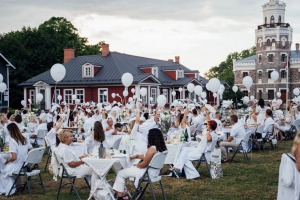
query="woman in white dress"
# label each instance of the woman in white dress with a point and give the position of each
(32, 123)
(188, 154)
(51, 136)
(287, 122)
(93, 141)
(156, 144)
(18, 148)
(260, 111)
(182, 122)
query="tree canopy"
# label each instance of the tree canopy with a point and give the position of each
(224, 71)
(34, 50)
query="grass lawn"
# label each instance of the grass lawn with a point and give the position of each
(255, 180)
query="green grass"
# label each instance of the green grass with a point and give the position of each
(255, 180)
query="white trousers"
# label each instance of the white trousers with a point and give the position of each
(184, 161)
(85, 171)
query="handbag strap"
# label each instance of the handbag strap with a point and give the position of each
(293, 159)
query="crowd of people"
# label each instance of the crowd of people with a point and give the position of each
(104, 125)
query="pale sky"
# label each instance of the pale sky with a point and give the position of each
(201, 32)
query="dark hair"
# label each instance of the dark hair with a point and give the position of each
(155, 138)
(25, 112)
(195, 112)
(118, 125)
(50, 125)
(99, 134)
(212, 124)
(9, 114)
(16, 134)
(261, 103)
(180, 117)
(269, 112)
(18, 118)
(146, 115)
(234, 118)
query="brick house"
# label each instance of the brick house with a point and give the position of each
(90, 77)
(273, 50)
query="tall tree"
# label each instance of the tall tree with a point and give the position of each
(35, 50)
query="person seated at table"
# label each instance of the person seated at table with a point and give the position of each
(260, 111)
(149, 124)
(89, 123)
(32, 124)
(72, 162)
(18, 121)
(188, 154)
(110, 131)
(269, 122)
(119, 129)
(156, 144)
(296, 150)
(181, 122)
(287, 122)
(52, 132)
(18, 149)
(93, 141)
(42, 126)
(237, 133)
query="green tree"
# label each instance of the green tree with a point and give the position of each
(34, 50)
(224, 71)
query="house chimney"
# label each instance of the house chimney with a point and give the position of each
(297, 46)
(170, 60)
(69, 54)
(104, 49)
(177, 59)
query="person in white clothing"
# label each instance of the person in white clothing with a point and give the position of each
(260, 111)
(188, 154)
(42, 126)
(110, 131)
(149, 124)
(73, 163)
(89, 124)
(296, 150)
(93, 141)
(269, 122)
(236, 135)
(51, 136)
(156, 144)
(182, 124)
(18, 148)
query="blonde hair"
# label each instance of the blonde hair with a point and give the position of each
(296, 143)
(63, 133)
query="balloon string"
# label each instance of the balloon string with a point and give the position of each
(54, 94)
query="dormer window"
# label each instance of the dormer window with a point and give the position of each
(180, 74)
(87, 71)
(155, 71)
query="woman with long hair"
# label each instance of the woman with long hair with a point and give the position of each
(182, 122)
(260, 111)
(156, 144)
(18, 149)
(93, 141)
(296, 149)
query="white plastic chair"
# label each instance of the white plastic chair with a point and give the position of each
(116, 144)
(40, 136)
(240, 147)
(156, 163)
(34, 157)
(49, 153)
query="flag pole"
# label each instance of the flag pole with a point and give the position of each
(287, 82)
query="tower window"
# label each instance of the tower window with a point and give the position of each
(279, 19)
(283, 74)
(268, 42)
(272, 19)
(266, 20)
(283, 57)
(271, 58)
(245, 74)
(259, 59)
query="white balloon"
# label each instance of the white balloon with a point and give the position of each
(205, 101)
(161, 100)
(198, 89)
(247, 82)
(279, 101)
(190, 87)
(274, 75)
(173, 93)
(252, 98)
(296, 91)
(113, 95)
(23, 103)
(130, 99)
(125, 93)
(278, 94)
(105, 93)
(208, 86)
(127, 79)
(220, 91)
(203, 95)
(3, 87)
(180, 89)
(1, 78)
(235, 88)
(132, 90)
(39, 97)
(77, 100)
(215, 95)
(214, 84)
(74, 97)
(175, 102)
(222, 87)
(245, 99)
(59, 97)
(58, 72)
(143, 92)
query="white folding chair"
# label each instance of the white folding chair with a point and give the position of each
(40, 136)
(203, 158)
(156, 163)
(49, 153)
(258, 133)
(240, 147)
(33, 158)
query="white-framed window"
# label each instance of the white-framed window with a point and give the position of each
(102, 98)
(283, 74)
(57, 92)
(283, 57)
(180, 74)
(155, 71)
(144, 98)
(153, 94)
(269, 73)
(80, 94)
(270, 57)
(245, 74)
(87, 70)
(271, 93)
(166, 93)
(32, 95)
(68, 95)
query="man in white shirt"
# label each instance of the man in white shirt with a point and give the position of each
(236, 135)
(196, 119)
(149, 124)
(89, 123)
(269, 122)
